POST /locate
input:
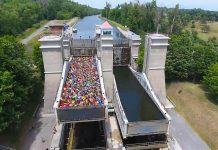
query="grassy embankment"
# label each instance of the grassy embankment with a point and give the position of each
(213, 32)
(198, 107)
(29, 31)
(32, 42)
(113, 23)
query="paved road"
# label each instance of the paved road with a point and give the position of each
(40, 136)
(184, 134)
(40, 30)
(37, 32)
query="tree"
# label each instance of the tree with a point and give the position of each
(205, 28)
(175, 12)
(107, 8)
(16, 79)
(18, 15)
(37, 58)
(8, 115)
(211, 79)
(179, 57)
(188, 57)
(193, 24)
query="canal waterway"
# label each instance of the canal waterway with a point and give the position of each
(137, 104)
(86, 28)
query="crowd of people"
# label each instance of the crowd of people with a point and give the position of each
(82, 87)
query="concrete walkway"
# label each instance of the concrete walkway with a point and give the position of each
(39, 136)
(184, 134)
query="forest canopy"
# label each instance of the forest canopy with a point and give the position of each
(18, 15)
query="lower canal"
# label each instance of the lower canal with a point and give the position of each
(137, 104)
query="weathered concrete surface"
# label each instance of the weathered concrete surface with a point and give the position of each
(184, 134)
(40, 135)
(154, 65)
(115, 133)
(52, 82)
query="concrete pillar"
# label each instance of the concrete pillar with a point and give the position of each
(51, 47)
(106, 55)
(135, 42)
(154, 64)
(66, 48)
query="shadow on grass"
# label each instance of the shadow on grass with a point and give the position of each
(13, 137)
(208, 94)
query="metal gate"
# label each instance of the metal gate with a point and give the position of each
(83, 47)
(121, 56)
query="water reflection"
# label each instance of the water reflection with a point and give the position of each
(135, 101)
(86, 28)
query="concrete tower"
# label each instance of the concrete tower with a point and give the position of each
(51, 47)
(154, 64)
(135, 42)
(106, 55)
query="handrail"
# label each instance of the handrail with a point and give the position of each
(146, 143)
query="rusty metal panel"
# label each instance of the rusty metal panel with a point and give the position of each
(79, 114)
(147, 127)
(83, 51)
(83, 43)
(121, 43)
(121, 56)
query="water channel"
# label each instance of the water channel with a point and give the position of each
(86, 28)
(137, 104)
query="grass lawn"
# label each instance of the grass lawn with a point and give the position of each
(113, 23)
(195, 104)
(29, 31)
(73, 21)
(205, 36)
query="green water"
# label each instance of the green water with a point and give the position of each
(136, 103)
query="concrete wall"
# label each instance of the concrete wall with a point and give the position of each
(154, 64)
(53, 60)
(134, 44)
(157, 57)
(106, 54)
(51, 47)
(51, 42)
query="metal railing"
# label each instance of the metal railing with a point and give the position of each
(83, 43)
(121, 43)
(147, 144)
(55, 33)
(96, 148)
